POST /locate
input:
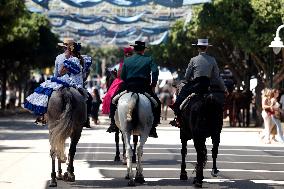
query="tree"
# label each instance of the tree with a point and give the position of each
(243, 28)
(26, 43)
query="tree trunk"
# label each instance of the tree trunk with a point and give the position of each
(20, 95)
(3, 87)
(260, 86)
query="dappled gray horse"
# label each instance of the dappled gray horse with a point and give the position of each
(134, 116)
(66, 114)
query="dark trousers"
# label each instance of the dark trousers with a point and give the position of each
(138, 85)
(199, 85)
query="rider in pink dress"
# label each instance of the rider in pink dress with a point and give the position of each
(128, 51)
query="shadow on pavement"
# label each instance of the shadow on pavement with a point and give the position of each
(4, 148)
(162, 183)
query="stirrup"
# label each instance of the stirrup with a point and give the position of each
(40, 121)
(175, 122)
(112, 128)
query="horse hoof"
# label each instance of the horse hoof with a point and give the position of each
(183, 176)
(124, 161)
(197, 183)
(53, 183)
(69, 177)
(127, 177)
(215, 172)
(116, 158)
(140, 179)
(59, 176)
(131, 183)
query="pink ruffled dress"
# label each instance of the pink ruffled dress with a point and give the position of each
(112, 89)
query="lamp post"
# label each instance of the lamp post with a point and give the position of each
(276, 44)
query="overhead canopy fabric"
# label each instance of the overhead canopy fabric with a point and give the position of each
(124, 3)
(115, 22)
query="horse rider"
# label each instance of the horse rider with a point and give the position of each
(85, 73)
(68, 72)
(58, 71)
(202, 72)
(115, 86)
(66, 44)
(136, 74)
(85, 61)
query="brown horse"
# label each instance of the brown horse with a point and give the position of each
(237, 107)
(66, 114)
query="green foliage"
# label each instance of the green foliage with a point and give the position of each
(10, 12)
(26, 41)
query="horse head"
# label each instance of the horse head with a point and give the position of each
(111, 75)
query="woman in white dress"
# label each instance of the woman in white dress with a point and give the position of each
(70, 76)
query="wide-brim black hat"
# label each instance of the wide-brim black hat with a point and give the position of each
(139, 44)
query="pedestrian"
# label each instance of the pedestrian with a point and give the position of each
(275, 116)
(281, 101)
(267, 110)
(96, 102)
(41, 79)
(12, 97)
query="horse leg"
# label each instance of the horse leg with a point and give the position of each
(215, 141)
(69, 175)
(53, 182)
(199, 144)
(135, 141)
(117, 158)
(166, 112)
(139, 177)
(124, 162)
(247, 116)
(183, 173)
(129, 152)
(59, 172)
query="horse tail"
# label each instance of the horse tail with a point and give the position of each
(63, 128)
(133, 109)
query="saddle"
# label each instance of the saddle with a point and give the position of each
(116, 98)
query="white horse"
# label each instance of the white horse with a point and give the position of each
(134, 116)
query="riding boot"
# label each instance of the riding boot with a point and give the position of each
(87, 123)
(89, 109)
(112, 127)
(153, 132)
(176, 121)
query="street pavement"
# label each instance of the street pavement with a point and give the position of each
(244, 160)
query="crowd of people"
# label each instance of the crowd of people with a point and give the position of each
(272, 114)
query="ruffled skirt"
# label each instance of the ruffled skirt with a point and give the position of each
(37, 102)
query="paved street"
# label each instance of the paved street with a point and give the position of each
(244, 161)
